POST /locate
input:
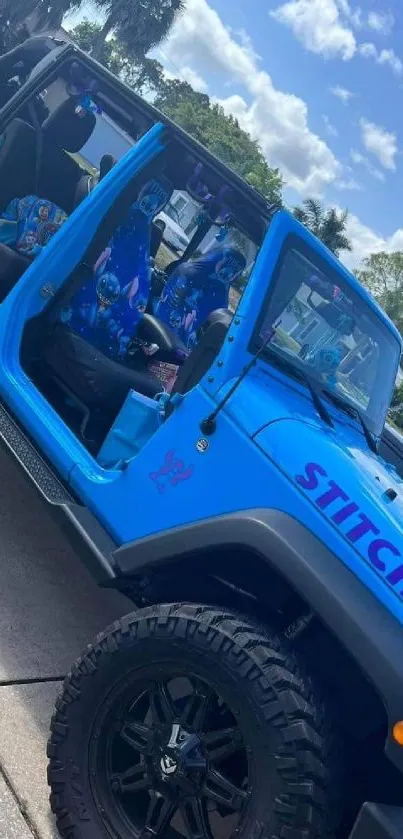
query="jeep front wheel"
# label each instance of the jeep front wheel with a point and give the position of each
(184, 721)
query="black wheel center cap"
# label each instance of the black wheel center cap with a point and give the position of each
(168, 765)
(181, 755)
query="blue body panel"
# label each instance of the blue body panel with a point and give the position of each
(270, 448)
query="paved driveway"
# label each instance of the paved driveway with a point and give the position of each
(49, 610)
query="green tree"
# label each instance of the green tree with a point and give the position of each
(113, 57)
(13, 14)
(329, 225)
(396, 408)
(144, 75)
(193, 111)
(49, 13)
(42, 14)
(220, 134)
(382, 274)
(139, 24)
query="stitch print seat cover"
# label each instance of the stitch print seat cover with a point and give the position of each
(107, 309)
(36, 221)
(197, 288)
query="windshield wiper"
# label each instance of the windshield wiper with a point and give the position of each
(354, 412)
(299, 374)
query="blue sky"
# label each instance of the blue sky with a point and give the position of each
(319, 83)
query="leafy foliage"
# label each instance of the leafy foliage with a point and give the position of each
(14, 14)
(382, 274)
(220, 133)
(114, 56)
(396, 408)
(329, 225)
(193, 111)
(138, 24)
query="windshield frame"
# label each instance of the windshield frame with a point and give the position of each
(337, 277)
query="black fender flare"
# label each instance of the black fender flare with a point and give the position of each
(363, 626)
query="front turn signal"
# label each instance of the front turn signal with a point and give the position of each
(398, 732)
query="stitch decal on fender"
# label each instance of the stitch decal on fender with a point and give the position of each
(172, 472)
(380, 553)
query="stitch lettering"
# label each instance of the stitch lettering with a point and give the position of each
(311, 481)
(362, 529)
(381, 545)
(377, 550)
(396, 576)
(332, 494)
(345, 513)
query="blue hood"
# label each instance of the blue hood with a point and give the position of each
(360, 494)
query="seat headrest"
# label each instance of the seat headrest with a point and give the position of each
(153, 196)
(224, 264)
(67, 129)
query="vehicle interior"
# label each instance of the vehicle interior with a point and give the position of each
(135, 316)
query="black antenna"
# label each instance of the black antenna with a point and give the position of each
(208, 425)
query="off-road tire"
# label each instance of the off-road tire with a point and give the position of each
(280, 708)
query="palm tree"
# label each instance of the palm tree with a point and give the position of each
(139, 24)
(13, 14)
(329, 225)
(22, 17)
(49, 14)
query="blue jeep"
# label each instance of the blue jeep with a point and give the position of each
(216, 456)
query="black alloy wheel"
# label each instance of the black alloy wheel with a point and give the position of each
(188, 722)
(169, 754)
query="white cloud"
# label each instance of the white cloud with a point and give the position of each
(348, 184)
(368, 50)
(193, 78)
(330, 128)
(279, 121)
(389, 57)
(186, 74)
(361, 160)
(352, 15)
(342, 93)
(366, 241)
(382, 22)
(319, 26)
(246, 42)
(381, 143)
(325, 27)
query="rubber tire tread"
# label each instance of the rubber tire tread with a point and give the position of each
(269, 673)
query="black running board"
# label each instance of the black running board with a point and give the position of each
(89, 538)
(31, 461)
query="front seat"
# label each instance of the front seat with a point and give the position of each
(89, 346)
(210, 340)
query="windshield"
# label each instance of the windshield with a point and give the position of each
(315, 320)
